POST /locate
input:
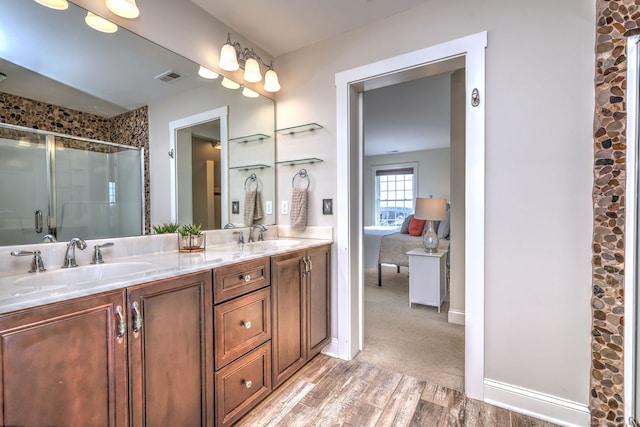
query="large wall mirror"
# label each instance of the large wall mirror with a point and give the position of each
(54, 57)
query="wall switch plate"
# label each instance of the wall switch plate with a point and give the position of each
(284, 207)
(235, 207)
(269, 207)
(327, 206)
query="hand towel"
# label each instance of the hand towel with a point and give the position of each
(298, 212)
(252, 207)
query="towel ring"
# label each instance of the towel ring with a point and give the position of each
(251, 179)
(303, 175)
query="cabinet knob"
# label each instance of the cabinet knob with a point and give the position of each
(247, 277)
(247, 324)
(248, 384)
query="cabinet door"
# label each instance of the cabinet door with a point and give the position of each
(171, 352)
(288, 311)
(64, 364)
(318, 300)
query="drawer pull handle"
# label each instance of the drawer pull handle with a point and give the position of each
(247, 324)
(122, 324)
(248, 384)
(137, 318)
(247, 277)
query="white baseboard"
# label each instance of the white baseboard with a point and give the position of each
(456, 316)
(332, 348)
(544, 406)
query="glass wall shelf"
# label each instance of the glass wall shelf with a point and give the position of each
(249, 138)
(310, 160)
(309, 127)
(250, 167)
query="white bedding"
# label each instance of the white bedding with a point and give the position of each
(371, 243)
(394, 248)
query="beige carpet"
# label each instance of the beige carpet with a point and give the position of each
(416, 341)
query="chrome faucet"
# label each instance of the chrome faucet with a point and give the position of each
(240, 237)
(260, 228)
(49, 238)
(36, 263)
(229, 225)
(97, 254)
(70, 254)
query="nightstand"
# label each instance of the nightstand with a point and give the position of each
(427, 277)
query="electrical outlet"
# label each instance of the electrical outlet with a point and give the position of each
(284, 207)
(269, 207)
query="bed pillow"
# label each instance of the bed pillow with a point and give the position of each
(416, 226)
(404, 229)
(443, 228)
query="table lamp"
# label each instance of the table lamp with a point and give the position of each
(432, 210)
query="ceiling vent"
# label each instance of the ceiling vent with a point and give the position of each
(169, 77)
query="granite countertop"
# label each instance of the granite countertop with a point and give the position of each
(26, 290)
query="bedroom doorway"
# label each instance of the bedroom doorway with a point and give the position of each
(349, 247)
(413, 146)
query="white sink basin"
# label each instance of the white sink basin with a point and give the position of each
(84, 274)
(274, 244)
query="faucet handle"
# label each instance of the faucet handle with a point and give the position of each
(240, 237)
(37, 265)
(97, 254)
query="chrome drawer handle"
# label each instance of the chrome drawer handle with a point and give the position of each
(248, 384)
(247, 277)
(246, 324)
(122, 324)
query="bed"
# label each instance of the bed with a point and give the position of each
(394, 247)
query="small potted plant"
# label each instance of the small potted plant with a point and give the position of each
(165, 228)
(191, 238)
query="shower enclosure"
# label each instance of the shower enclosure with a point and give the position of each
(67, 187)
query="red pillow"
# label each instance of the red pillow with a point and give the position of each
(416, 226)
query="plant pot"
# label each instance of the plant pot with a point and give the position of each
(191, 243)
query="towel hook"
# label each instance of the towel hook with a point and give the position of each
(250, 179)
(302, 173)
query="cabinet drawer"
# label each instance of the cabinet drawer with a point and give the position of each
(238, 279)
(241, 325)
(242, 384)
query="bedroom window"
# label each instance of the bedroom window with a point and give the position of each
(395, 191)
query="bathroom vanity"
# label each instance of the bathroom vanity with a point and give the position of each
(194, 339)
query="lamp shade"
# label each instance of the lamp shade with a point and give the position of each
(228, 58)
(54, 4)
(271, 83)
(206, 73)
(431, 209)
(252, 71)
(100, 24)
(249, 93)
(230, 84)
(124, 8)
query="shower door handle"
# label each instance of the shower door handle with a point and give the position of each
(38, 221)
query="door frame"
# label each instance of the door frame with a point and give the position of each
(349, 258)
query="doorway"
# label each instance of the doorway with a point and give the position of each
(350, 85)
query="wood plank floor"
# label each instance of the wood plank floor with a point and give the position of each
(333, 392)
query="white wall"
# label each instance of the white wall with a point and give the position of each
(433, 175)
(539, 107)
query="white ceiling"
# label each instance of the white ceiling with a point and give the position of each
(282, 26)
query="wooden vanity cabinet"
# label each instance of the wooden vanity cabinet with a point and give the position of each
(300, 294)
(171, 352)
(242, 323)
(65, 364)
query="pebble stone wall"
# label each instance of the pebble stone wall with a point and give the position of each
(130, 128)
(615, 21)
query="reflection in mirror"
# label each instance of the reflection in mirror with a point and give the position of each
(83, 90)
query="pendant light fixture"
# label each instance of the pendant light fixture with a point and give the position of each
(249, 93)
(100, 24)
(233, 57)
(230, 84)
(54, 4)
(206, 73)
(123, 8)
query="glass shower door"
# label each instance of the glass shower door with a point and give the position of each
(24, 188)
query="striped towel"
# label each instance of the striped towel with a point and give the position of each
(252, 207)
(298, 211)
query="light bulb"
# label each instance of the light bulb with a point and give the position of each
(100, 24)
(271, 83)
(123, 8)
(207, 73)
(54, 4)
(252, 71)
(249, 93)
(230, 84)
(228, 58)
